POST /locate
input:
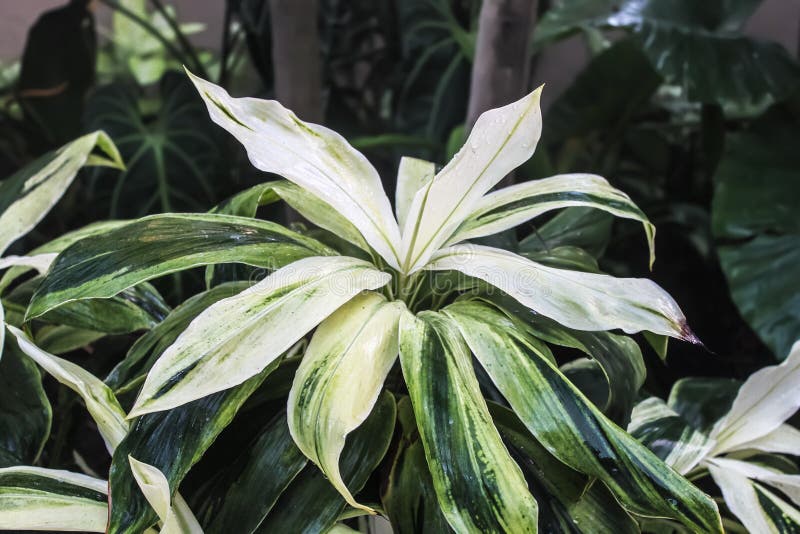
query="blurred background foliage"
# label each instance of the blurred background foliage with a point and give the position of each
(677, 106)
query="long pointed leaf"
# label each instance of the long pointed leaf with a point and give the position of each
(103, 265)
(154, 486)
(480, 488)
(312, 156)
(501, 140)
(512, 206)
(583, 301)
(213, 353)
(325, 404)
(572, 429)
(412, 175)
(27, 196)
(34, 498)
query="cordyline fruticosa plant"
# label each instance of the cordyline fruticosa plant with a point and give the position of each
(466, 322)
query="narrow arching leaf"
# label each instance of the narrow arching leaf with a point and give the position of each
(39, 262)
(514, 205)
(27, 196)
(172, 442)
(25, 412)
(665, 433)
(310, 490)
(783, 440)
(34, 498)
(568, 501)
(583, 301)
(212, 354)
(270, 465)
(768, 398)
(787, 483)
(100, 400)
(585, 228)
(59, 339)
(757, 508)
(154, 486)
(501, 140)
(133, 369)
(572, 429)
(304, 202)
(103, 265)
(480, 488)
(703, 401)
(412, 175)
(325, 405)
(311, 156)
(409, 498)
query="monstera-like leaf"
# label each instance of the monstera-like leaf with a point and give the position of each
(170, 153)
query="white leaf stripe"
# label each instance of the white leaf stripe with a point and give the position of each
(583, 301)
(516, 204)
(501, 140)
(312, 156)
(213, 354)
(768, 398)
(100, 400)
(325, 404)
(176, 518)
(412, 175)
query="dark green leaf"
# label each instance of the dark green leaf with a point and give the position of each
(586, 228)
(702, 402)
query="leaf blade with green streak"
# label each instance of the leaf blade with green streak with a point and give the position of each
(34, 498)
(324, 406)
(312, 156)
(514, 205)
(573, 430)
(480, 489)
(310, 490)
(583, 301)
(412, 175)
(27, 196)
(102, 266)
(212, 355)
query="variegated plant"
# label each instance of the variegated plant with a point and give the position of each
(376, 287)
(737, 434)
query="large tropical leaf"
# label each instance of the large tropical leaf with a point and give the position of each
(132, 370)
(754, 219)
(768, 398)
(310, 490)
(311, 156)
(690, 44)
(501, 140)
(479, 487)
(171, 153)
(172, 442)
(516, 204)
(269, 465)
(27, 196)
(583, 301)
(34, 498)
(325, 405)
(572, 429)
(212, 354)
(103, 265)
(25, 413)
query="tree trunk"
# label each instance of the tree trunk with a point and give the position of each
(296, 61)
(501, 68)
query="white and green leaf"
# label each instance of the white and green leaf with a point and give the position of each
(479, 486)
(412, 175)
(768, 398)
(35, 498)
(572, 429)
(100, 400)
(514, 205)
(27, 196)
(311, 156)
(101, 266)
(326, 402)
(583, 301)
(501, 140)
(175, 519)
(215, 352)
